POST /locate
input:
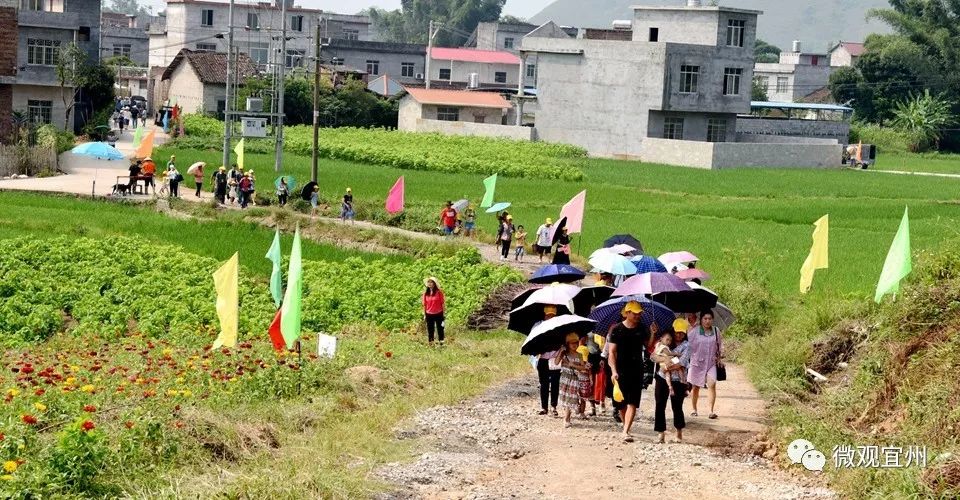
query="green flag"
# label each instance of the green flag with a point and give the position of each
(276, 280)
(899, 263)
(290, 311)
(490, 184)
(137, 137)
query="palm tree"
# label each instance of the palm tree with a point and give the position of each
(924, 116)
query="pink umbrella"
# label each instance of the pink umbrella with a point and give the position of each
(693, 274)
(671, 259)
(651, 283)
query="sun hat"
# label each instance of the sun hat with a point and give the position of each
(549, 220)
(681, 325)
(348, 190)
(632, 306)
(429, 279)
(222, 168)
(509, 217)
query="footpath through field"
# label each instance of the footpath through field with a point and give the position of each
(496, 446)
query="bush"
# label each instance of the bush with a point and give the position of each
(887, 139)
(49, 136)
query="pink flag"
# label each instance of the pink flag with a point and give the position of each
(573, 211)
(395, 198)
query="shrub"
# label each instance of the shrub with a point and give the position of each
(49, 136)
(887, 139)
(79, 456)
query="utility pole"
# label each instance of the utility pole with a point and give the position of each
(431, 34)
(316, 104)
(278, 161)
(227, 118)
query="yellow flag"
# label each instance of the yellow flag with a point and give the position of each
(146, 146)
(818, 258)
(239, 150)
(226, 280)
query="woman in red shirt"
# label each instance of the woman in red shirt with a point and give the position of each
(433, 308)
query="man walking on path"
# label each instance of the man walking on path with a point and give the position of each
(448, 219)
(628, 355)
(543, 239)
(220, 185)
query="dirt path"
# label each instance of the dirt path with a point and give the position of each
(497, 447)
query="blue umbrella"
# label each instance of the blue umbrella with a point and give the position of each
(503, 205)
(609, 313)
(559, 273)
(99, 150)
(648, 264)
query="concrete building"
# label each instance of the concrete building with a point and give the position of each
(196, 80)
(122, 35)
(404, 62)
(43, 28)
(772, 122)
(795, 76)
(8, 66)
(458, 112)
(846, 54)
(499, 36)
(455, 67)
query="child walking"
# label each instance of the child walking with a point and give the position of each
(521, 238)
(571, 365)
(585, 380)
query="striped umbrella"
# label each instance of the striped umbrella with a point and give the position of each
(647, 264)
(609, 313)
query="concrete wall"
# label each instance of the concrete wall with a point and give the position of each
(821, 129)
(391, 57)
(467, 114)
(713, 62)
(841, 57)
(24, 93)
(694, 124)
(136, 37)
(802, 80)
(783, 139)
(186, 88)
(720, 155)
(705, 26)
(410, 111)
(474, 129)
(460, 71)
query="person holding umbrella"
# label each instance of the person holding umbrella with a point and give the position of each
(562, 255)
(505, 236)
(706, 353)
(629, 344)
(469, 221)
(434, 307)
(548, 375)
(283, 192)
(197, 178)
(543, 239)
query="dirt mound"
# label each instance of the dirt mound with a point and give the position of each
(944, 478)
(838, 346)
(494, 312)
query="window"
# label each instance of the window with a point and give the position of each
(731, 81)
(782, 83)
(673, 128)
(654, 34)
(221, 108)
(42, 52)
(445, 74)
(479, 118)
(351, 34)
(373, 67)
(39, 112)
(206, 17)
(448, 114)
(210, 47)
(253, 21)
(259, 52)
(500, 77)
(295, 58)
(814, 60)
(83, 34)
(716, 130)
(735, 29)
(42, 5)
(407, 69)
(531, 71)
(337, 61)
(296, 23)
(121, 49)
(508, 43)
(689, 79)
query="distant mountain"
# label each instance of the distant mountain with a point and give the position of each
(814, 22)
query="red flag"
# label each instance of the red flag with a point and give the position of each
(395, 198)
(275, 336)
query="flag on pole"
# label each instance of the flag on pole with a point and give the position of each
(899, 263)
(166, 122)
(818, 258)
(137, 137)
(276, 279)
(276, 336)
(290, 310)
(860, 153)
(146, 146)
(239, 151)
(573, 211)
(394, 203)
(226, 281)
(490, 184)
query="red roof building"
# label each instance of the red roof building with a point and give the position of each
(846, 53)
(473, 68)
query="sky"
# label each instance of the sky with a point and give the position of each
(519, 8)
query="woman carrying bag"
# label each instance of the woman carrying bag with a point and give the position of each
(706, 365)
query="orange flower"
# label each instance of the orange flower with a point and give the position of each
(87, 426)
(128, 424)
(388, 354)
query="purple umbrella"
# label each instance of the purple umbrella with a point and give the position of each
(651, 283)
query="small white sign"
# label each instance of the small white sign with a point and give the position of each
(254, 127)
(326, 346)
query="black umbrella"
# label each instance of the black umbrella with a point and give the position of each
(550, 334)
(557, 230)
(626, 239)
(522, 319)
(696, 299)
(307, 190)
(590, 296)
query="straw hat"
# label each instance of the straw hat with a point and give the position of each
(433, 279)
(549, 220)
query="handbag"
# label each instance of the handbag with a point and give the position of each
(721, 368)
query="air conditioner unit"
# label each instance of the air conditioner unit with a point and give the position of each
(254, 105)
(419, 76)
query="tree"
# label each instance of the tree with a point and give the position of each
(129, 7)
(924, 116)
(410, 23)
(765, 52)
(758, 91)
(70, 75)
(508, 19)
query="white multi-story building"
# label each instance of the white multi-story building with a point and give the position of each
(795, 76)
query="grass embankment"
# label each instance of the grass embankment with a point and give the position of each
(936, 163)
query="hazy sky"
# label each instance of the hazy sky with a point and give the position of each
(519, 8)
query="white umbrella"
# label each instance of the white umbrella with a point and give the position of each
(622, 248)
(556, 294)
(193, 168)
(549, 334)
